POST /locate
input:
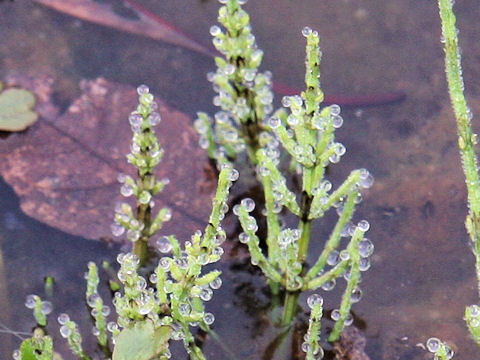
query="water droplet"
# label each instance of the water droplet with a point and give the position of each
(216, 284)
(63, 318)
(313, 300)
(337, 121)
(306, 31)
(329, 285)
(126, 190)
(274, 122)
(143, 89)
(363, 225)
(135, 119)
(209, 318)
(154, 118)
(249, 204)
(365, 248)
(206, 294)
(163, 245)
(47, 307)
(215, 30)
(333, 258)
(474, 310)
(65, 331)
(433, 344)
(234, 175)
(356, 295)
(92, 299)
(335, 315)
(334, 109)
(31, 301)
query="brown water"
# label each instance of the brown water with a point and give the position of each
(422, 275)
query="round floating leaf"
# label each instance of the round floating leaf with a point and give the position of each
(16, 110)
(141, 342)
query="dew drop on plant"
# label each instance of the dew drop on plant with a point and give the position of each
(154, 118)
(112, 326)
(335, 315)
(366, 179)
(216, 284)
(126, 190)
(348, 320)
(121, 178)
(334, 159)
(209, 318)
(313, 300)
(329, 285)
(344, 255)
(106, 310)
(184, 309)
(333, 258)
(163, 245)
(142, 89)
(234, 174)
(363, 225)
(63, 318)
(306, 31)
(243, 238)
(215, 30)
(365, 248)
(433, 344)
(92, 299)
(65, 331)
(31, 301)
(305, 346)
(95, 331)
(135, 119)
(229, 69)
(164, 263)
(474, 310)
(133, 235)
(356, 295)
(335, 109)
(274, 122)
(16, 355)
(47, 307)
(206, 294)
(248, 204)
(141, 283)
(364, 264)
(337, 121)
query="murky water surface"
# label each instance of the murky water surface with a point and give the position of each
(422, 274)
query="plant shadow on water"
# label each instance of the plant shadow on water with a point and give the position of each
(422, 273)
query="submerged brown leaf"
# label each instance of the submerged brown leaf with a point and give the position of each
(64, 169)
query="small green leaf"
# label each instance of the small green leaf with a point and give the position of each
(141, 342)
(37, 348)
(15, 110)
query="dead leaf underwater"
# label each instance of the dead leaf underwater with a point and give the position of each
(64, 169)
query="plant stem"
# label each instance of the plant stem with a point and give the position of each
(466, 137)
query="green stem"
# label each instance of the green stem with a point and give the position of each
(290, 307)
(466, 137)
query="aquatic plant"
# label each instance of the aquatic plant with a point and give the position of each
(467, 140)
(151, 310)
(145, 154)
(306, 134)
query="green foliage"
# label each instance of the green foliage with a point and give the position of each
(141, 342)
(38, 347)
(146, 153)
(306, 133)
(16, 109)
(440, 350)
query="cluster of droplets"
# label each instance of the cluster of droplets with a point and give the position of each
(69, 330)
(145, 154)
(243, 93)
(311, 345)
(440, 350)
(40, 308)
